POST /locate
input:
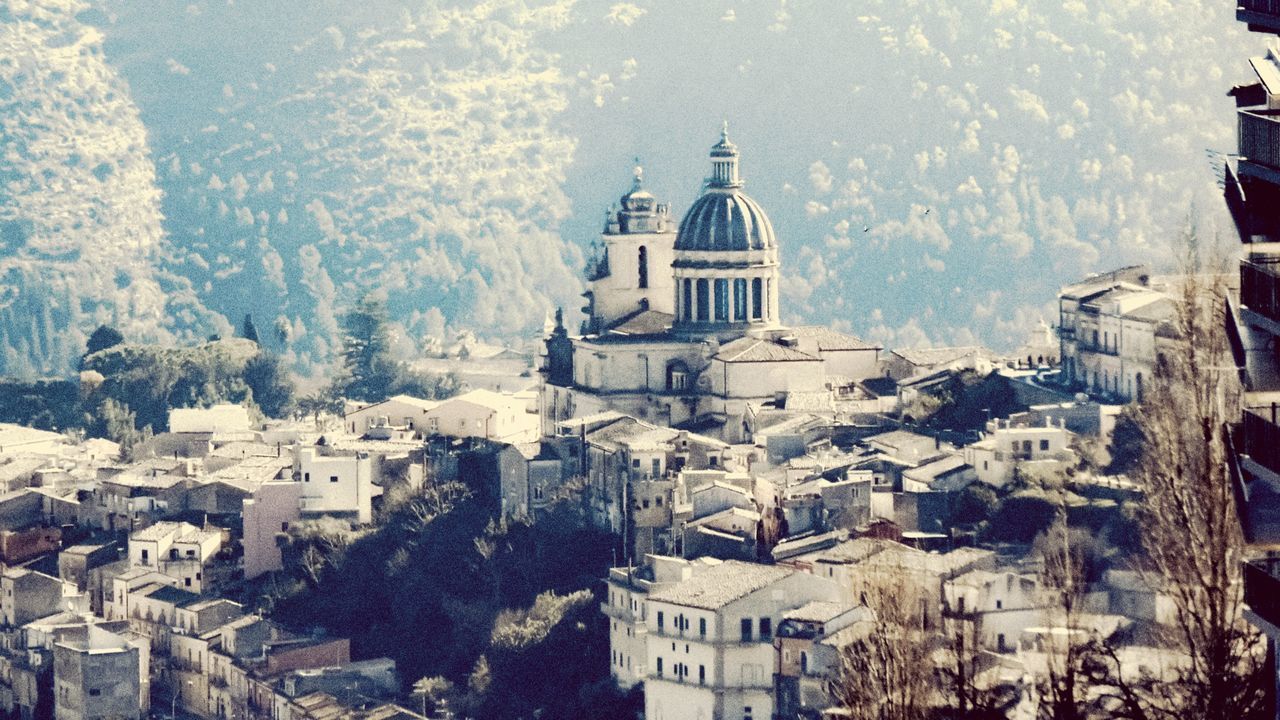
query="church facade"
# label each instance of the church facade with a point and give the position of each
(683, 322)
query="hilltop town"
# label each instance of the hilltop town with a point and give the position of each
(681, 507)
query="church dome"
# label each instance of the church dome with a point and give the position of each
(725, 221)
(725, 218)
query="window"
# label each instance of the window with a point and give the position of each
(746, 629)
(687, 295)
(999, 604)
(766, 628)
(746, 712)
(659, 667)
(656, 467)
(702, 674)
(702, 627)
(306, 477)
(284, 527)
(635, 462)
(94, 692)
(713, 461)
(645, 504)
(145, 557)
(757, 299)
(657, 501)
(740, 300)
(173, 553)
(704, 301)
(1044, 445)
(659, 621)
(187, 581)
(722, 300)
(333, 478)
(644, 267)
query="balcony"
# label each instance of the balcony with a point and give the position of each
(1260, 286)
(1262, 589)
(1254, 205)
(1260, 144)
(1260, 435)
(1260, 15)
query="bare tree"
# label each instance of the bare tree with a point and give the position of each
(1064, 688)
(1191, 536)
(887, 673)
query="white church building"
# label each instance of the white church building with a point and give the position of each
(684, 324)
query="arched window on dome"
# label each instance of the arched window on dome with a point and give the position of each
(740, 300)
(644, 267)
(757, 299)
(704, 301)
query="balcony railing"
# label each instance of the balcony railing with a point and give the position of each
(1260, 136)
(1260, 287)
(1260, 14)
(1262, 589)
(1261, 435)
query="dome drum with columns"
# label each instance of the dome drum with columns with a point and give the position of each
(726, 256)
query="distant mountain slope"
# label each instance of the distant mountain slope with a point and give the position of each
(935, 169)
(80, 223)
(310, 152)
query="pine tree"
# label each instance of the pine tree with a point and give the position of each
(102, 338)
(248, 330)
(369, 370)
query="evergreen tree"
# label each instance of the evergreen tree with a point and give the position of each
(369, 370)
(272, 387)
(248, 330)
(102, 338)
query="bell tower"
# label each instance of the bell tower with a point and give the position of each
(630, 270)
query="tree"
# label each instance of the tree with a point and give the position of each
(1190, 534)
(248, 330)
(1063, 690)
(1127, 442)
(887, 673)
(433, 691)
(271, 384)
(102, 338)
(368, 370)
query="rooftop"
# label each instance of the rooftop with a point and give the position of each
(831, 340)
(719, 585)
(749, 349)
(941, 355)
(817, 611)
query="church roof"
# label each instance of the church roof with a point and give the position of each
(829, 340)
(645, 322)
(749, 349)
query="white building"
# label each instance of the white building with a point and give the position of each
(709, 639)
(225, 418)
(179, 550)
(339, 485)
(485, 414)
(1008, 446)
(1004, 603)
(401, 412)
(1110, 327)
(627, 609)
(685, 327)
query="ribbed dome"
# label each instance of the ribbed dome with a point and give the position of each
(725, 219)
